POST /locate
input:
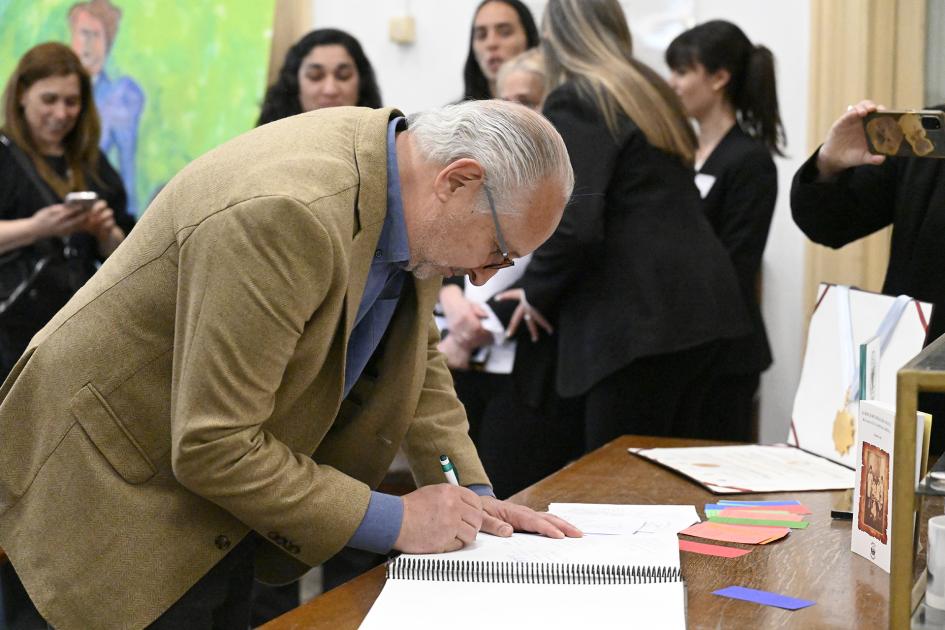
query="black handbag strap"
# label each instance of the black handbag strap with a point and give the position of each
(45, 246)
(27, 166)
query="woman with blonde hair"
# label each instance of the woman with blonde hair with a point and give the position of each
(640, 290)
(522, 80)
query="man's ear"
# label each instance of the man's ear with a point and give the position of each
(459, 174)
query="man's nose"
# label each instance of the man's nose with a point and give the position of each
(481, 276)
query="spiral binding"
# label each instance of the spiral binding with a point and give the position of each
(448, 570)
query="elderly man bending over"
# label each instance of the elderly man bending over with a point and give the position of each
(252, 357)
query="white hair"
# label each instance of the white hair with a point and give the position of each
(517, 148)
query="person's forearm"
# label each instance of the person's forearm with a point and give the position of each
(827, 171)
(16, 233)
(451, 298)
(111, 242)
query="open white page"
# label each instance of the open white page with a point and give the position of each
(605, 518)
(752, 468)
(632, 551)
(414, 604)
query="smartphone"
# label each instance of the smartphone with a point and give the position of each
(906, 133)
(82, 200)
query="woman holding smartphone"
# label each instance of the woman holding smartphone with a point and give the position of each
(843, 193)
(638, 287)
(727, 85)
(49, 148)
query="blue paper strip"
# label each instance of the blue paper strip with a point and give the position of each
(764, 597)
(759, 503)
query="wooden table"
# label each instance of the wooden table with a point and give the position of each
(814, 563)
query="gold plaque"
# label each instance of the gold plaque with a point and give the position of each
(843, 431)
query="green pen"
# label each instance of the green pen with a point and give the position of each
(449, 470)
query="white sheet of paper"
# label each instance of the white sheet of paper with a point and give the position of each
(752, 468)
(605, 518)
(412, 604)
(502, 351)
(659, 550)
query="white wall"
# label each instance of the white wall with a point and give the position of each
(428, 73)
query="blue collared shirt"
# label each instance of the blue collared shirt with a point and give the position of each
(386, 277)
(380, 526)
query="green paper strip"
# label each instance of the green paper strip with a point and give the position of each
(752, 521)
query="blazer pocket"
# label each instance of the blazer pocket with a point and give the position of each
(110, 437)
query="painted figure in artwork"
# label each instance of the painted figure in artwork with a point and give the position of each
(120, 100)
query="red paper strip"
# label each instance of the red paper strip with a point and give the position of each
(711, 550)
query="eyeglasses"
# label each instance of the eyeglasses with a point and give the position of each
(503, 248)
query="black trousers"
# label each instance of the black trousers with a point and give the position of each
(661, 395)
(220, 600)
(729, 409)
(517, 444)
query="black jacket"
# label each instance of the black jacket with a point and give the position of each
(907, 193)
(634, 269)
(20, 199)
(740, 206)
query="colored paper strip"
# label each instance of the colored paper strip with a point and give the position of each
(764, 597)
(759, 522)
(759, 514)
(736, 533)
(793, 509)
(711, 550)
(757, 503)
(764, 516)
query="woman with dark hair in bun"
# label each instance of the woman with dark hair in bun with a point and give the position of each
(727, 85)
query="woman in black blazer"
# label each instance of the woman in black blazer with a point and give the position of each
(641, 290)
(727, 85)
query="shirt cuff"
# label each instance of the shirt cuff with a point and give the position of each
(482, 490)
(380, 526)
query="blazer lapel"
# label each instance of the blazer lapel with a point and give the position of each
(371, 158)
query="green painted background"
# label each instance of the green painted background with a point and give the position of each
(201, 64)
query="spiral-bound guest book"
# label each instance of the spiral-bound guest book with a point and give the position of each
(598, 581)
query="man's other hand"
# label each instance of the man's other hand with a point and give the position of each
(501, 518)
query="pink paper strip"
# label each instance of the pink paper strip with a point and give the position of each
(736, 533)
(711, 550)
